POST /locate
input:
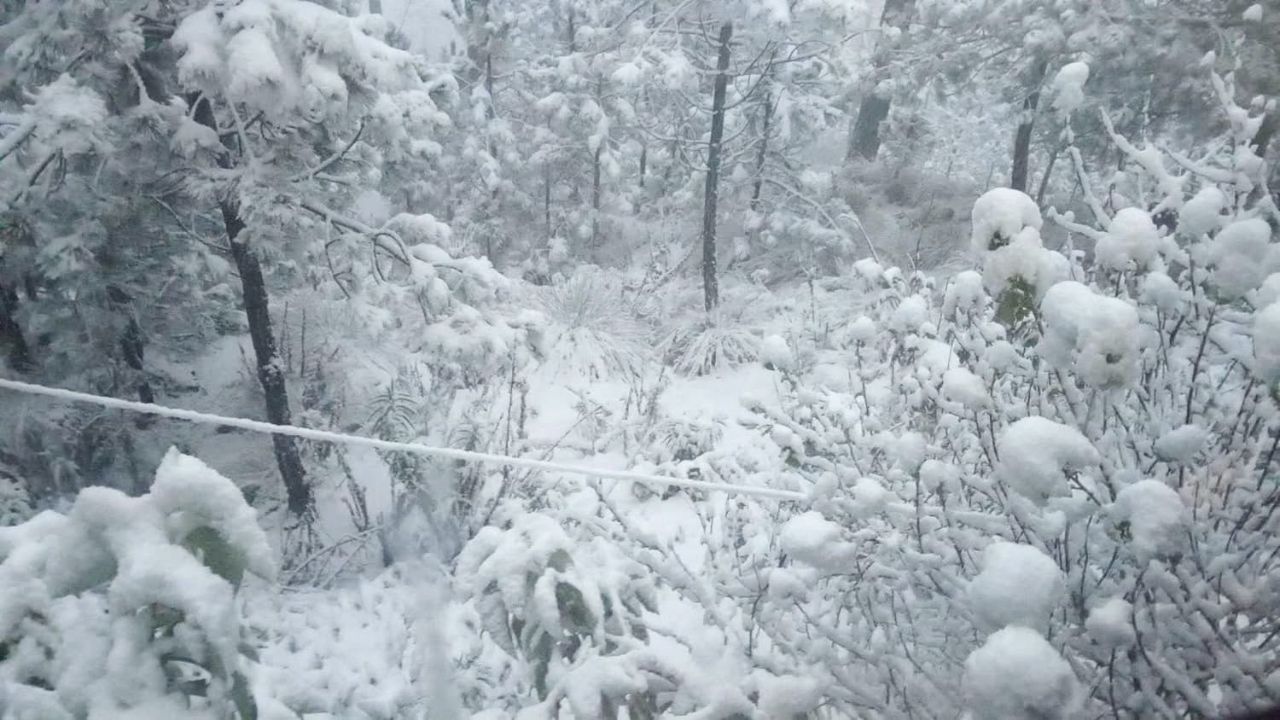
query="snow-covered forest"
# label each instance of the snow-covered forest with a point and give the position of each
(954, 323)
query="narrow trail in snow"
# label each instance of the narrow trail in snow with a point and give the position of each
(414, 448)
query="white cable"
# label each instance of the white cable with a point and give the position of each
(415, 448)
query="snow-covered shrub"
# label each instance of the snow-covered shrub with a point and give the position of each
(15, 502)
(703, 344)
(570, 612)
(1078, 491)
(127, 605)
(592, 330)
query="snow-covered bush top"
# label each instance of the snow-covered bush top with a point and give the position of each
(110, 608)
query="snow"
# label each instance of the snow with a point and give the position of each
(1018, 585)
(1162, 291)
(1181, 444)
(1068, 87)
(1035, 454)
(999, 215)
(100, 573)
(814, 540)
(1253, 13)
(962, 386)
(1018, 674)
(964, 293)
(1266, 343)
(786, 696)
(776, 353)
(1092, 334)
(1110, 623)
(1239, 257)
(869, 496)
(910, 315)
(1202, 214)
(1156, 516)
(1130, 242)
(862, 330)
(1268, 292)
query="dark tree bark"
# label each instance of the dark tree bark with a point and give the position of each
(11, 336)
(762, 153)
(864, 139)
(258, 311)
(710, 196)
(595, 178)
(1022, 139)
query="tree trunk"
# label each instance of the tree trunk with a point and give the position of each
(757, 186)
(258, 311)
(1022, 140)
(595, 198)
(11, 336)
(595, 176)
(864, 139)
(710, 288)
(270, 370)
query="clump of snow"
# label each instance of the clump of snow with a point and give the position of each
(869, 270)
(1068, 87)
(1268, 292)
(1162, 291)
(1130, 242)
(1036, 453)
(786, 696)
(936, 474)
(862, 330)
(102, 576)
(910, 315)
(1018, 674)
(1024, 258)
(869, 496)
(1156, 516)
(1092, 334)
(1110, 623)
(1018, 585)
(1266, 343)
(960, 385)
(964, 293)
(814, 540)
(1181, 444)
(776, 353)
(1253, 13)
(1001, 214)
(1239, 257)
(1202, 214)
